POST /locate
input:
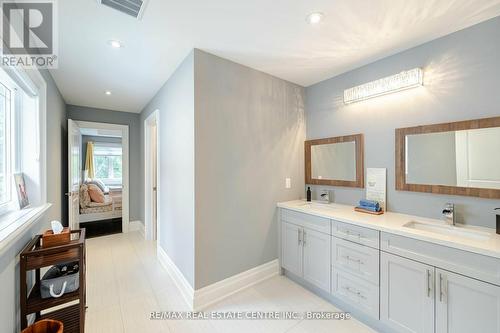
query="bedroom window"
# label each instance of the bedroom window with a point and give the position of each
(108, 162)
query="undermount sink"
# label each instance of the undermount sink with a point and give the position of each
(448, 230)
(318, 205)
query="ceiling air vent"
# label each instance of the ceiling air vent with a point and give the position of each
(133, 8)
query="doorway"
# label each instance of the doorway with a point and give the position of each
(98, 158)
(152, 175)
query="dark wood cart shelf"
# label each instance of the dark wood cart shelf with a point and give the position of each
(34, 257)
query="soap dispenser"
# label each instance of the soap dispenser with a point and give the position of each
(498, 221)
(308, 193)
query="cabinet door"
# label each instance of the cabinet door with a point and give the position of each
(466, 305)
(406, 294)
(291, 247)
(317, 258)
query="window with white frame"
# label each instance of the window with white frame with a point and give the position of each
(108, 162)
(19, 142)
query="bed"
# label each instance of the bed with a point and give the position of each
(93, 211)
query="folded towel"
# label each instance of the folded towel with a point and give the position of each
(369, 203)
(371, 209)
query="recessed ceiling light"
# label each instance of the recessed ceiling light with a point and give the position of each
(314, 18)
(107, 92)
(115, 43)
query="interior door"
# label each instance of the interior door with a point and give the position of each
(466, 305)
(154, 160)
(74, 173)
(406, 294)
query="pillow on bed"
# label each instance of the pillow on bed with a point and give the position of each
(95, 193)
(99, 184)
(84, 196)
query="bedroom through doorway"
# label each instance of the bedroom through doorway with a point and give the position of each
(98, 177)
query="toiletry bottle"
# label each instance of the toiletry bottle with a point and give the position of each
(308, 194)
(498, 221)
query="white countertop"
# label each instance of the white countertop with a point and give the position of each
(394, 223)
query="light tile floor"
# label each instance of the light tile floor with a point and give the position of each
(125, 282)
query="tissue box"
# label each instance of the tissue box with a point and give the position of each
(49, 239)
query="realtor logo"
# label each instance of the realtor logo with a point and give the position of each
(29, 33)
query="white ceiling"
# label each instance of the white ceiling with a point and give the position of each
(271, 36)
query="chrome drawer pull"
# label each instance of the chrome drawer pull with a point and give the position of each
(359, 261)
(429, 288)
(357, 293)
(298, 235)
(442, 288)
(358, 235)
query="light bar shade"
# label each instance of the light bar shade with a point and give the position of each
(387, 85)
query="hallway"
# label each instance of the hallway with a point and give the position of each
(126, 283)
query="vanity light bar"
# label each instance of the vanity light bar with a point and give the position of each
(401, 81)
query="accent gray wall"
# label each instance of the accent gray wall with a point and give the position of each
(57, 150)
(57, 183)
(249, 137)
(83, 113)
(175, 100)
(462, 76)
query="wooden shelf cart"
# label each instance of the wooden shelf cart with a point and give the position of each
(34, 257)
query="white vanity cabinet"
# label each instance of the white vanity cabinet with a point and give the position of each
(355, 267)
(291, 248)
(306, 251)
(316, 263)
(393, 282)
(406, 294)
(418, 297)
(466, 305)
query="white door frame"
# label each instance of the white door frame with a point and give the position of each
(149, 233)
(125, 164)
(74, 183)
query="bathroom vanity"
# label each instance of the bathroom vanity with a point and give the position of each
(395, 272)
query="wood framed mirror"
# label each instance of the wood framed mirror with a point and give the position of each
(337, 161)
(458, 158)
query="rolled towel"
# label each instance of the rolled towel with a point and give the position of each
(371, 209)
(369, 203)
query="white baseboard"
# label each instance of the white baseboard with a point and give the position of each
(200, 299)
(215, 292)
(180, 281)
(136, 226)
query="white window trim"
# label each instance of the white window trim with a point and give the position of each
(20, 221)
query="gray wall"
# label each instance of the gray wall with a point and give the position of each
(121, 118)
(175, 100)
(57, 150)
(57, 182)
(87, 138)
(462, 76)
(249, 137)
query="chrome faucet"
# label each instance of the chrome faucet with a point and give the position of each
(449, 214)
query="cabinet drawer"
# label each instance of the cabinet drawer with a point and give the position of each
(355, 291)
(359, 260)
(356, 234)
(466, 263)
(312, 222)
